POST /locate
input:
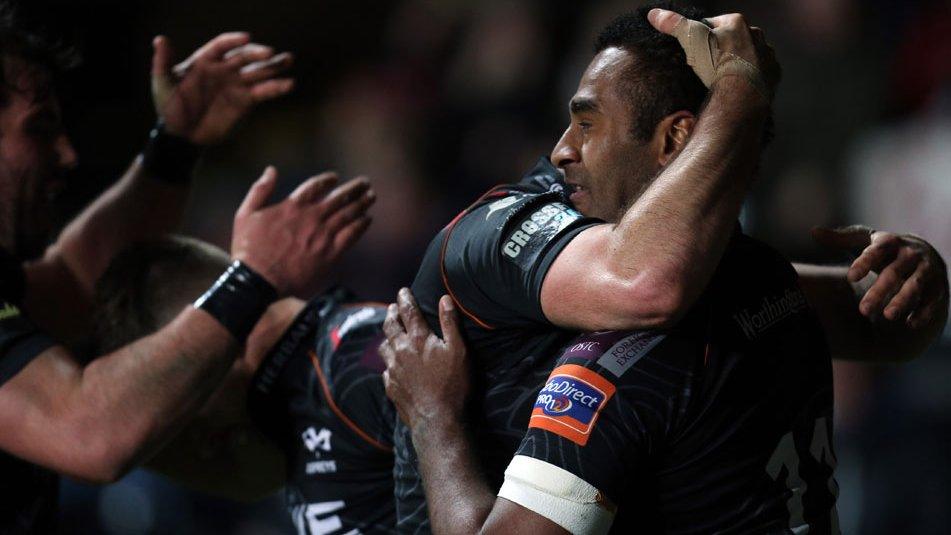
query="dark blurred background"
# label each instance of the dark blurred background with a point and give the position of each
(436, 101)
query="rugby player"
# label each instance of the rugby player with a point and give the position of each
(521, 262)
(95, 421)
(303, 407)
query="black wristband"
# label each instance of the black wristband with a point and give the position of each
(238, 299)
(169, 158)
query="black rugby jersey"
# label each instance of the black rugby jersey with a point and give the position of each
(319, 394)
(492, 259)
(721, 424)
(27, 492)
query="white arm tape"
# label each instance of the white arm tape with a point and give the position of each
(557, 495)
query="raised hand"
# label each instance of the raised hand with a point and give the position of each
(203, 97)
(912, 283)
(295, 242)
(723, 46)
(426, 377)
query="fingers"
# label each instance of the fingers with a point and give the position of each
(351, 233)
(314, 188)
(259, 193)
(219, 46)
(387, 353)
(248, 53)
(265, 69)
(884, 246)
(392, 327)
(852, 238)
(665, 21)
(356, 209)
(411, 316)
(271, 89)
(889, 282)
(344, 195)
(449, 323)
(161, 56)
(909, 296)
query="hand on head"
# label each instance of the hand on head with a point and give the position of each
(203, 97)
(727, 47)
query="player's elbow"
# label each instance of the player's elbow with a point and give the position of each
(651, 302)
(103, 454)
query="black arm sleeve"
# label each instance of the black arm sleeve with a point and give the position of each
(20, 341)
(495, 257)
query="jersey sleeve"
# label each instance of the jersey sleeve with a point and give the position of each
(608, 405)
(20, 341)
(495, 257)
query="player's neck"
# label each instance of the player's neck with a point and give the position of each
(269, 329)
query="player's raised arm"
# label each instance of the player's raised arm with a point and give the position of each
(646, 270)
(125, 404)
(198, 102)
(889, 305)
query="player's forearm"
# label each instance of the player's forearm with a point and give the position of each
(136, 207)
(851, 335)
(673, 237)
(457, 495)
(128, 403)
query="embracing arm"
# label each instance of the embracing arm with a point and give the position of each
(889, 305)
(427, 379)
(648, 269)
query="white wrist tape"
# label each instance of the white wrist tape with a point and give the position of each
(557, 495)
(703, 56)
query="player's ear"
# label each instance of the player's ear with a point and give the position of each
(674, 131)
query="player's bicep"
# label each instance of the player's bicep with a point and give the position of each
(543, 498)
(497, 255)
(35, 402)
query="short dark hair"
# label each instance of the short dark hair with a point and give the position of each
(147, 284)
(31, 47)
(659, 82)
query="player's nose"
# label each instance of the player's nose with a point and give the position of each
(565, 152)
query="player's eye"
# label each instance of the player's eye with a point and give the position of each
(584, 126)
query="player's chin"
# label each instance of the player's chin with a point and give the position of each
(581, 199)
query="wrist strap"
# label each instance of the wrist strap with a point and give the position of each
(238, 299)
(169, 158)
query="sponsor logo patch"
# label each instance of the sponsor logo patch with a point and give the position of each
(624, 354)
(771, 311)
(534, 232)
(570, 402)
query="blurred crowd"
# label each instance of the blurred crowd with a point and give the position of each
(437, 100)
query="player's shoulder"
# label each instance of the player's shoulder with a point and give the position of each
(756, 293)
(638, 356)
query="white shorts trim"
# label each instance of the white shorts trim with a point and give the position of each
(557, 495)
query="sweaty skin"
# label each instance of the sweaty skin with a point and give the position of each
(459, 499)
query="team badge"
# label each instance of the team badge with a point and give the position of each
(570, 402)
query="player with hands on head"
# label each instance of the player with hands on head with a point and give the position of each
(120, 406)
(739, 97)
